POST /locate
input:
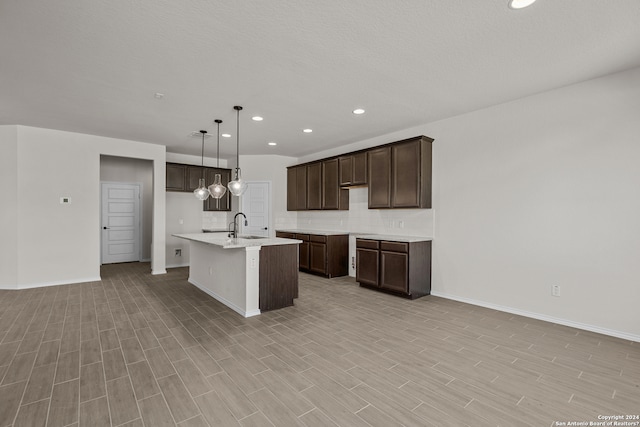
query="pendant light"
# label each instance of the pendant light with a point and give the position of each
(216, 189)
(238, 186)
(202, 193)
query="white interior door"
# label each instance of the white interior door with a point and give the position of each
(120, 222)
(255, 205)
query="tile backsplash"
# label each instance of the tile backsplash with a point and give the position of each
(360, 219)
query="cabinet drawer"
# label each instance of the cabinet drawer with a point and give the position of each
(316, 238)
(367, 244)
(394, 247)
(285, 235)
(303, 237)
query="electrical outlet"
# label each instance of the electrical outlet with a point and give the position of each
(555, 290)
(401, 224)
(178, 252)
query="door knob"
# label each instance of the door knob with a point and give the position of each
(265, 228)
(105, 228)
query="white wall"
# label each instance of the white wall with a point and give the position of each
(122, 169)
(8, 207)
(61, 243)
(541, 191)
(271, 168)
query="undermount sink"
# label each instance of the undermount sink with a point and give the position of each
(252, 237)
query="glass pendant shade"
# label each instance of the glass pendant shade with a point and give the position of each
(201, 192)
(238, 186)
(216, 189)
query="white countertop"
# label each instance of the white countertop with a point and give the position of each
(317, 232)
(227, 243)
(390, 238)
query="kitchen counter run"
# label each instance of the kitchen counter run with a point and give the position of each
(239, 242)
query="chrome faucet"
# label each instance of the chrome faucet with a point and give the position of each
(234, 232)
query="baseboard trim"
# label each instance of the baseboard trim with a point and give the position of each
(544, 317)
(226, 302)
(186, 264)
(156, 272)
(56, 283)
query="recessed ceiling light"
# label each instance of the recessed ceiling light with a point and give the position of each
(225, 135)
(272, 143)
(158, 95)
(257, 118)
(358, 111)
(520, 4)
(307, 130)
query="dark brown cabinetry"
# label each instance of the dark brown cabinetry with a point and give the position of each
(398, 175)
(322, 254)
(176, 177)
(333, 197)
(186, 178)
(297, 188)
(367, 262)
(353, 169)
(379, 179)
(314, 186)
(278, 273)
(396, 267)
(303, 258)
(194, 174)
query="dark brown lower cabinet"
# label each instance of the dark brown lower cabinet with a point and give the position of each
(396, 267)
(304, 251)
(320, 254)
(278, 276)
(367, 262)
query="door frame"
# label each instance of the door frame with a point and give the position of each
(269, 205)
(140, 215)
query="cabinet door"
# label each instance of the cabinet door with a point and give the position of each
(406, 175)
(346, 170)
(379, 177)
(394, 271)
(318, 257)
(292, 186)
(314, 186)
(221, 204)
(176, 176)
(367, 266)
(301, 188)
(194, 173)
(304, 256)
(330, 187)
(359, 169)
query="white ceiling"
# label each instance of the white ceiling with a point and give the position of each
(94, 66)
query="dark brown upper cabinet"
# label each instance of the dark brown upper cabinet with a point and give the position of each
(223, 203)
(333, 197)
(186, 178)
(314, 186)
(194, 173)
(176, 176)
(400, 175)
(297, 188)
(353, 169)
(379, 178)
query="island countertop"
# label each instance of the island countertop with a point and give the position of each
(239, 242)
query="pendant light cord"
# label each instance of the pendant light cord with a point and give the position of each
(202, 155)
(237, 108)
(218, 121)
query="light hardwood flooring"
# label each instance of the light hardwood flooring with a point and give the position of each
(136, 349)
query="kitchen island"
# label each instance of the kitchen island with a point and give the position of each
(248, 275)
